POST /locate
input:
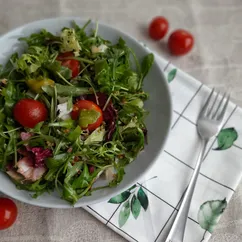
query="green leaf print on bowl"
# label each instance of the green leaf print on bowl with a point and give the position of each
(131, 201)
(210, 213)
(226, 138)
(171, 75)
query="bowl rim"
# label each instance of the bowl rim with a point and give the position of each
(166, 134)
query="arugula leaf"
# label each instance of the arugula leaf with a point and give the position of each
(39, 39)
(55, 67)
(145, 67)
(69, 123)
(75, 134)
(147, 63)
(56, 161)
(10, 149)
(33, 59)
(69, 193)
(130, 111)
(118, 177)
(83, 180)
(102, 75)
(72, 171)
(64, 91)
(37, 187)
(131, 80)
(11, 95)
(37, 128)
(96, 136)
(65, 72)
(9, 70)
(133, 140)
(50, 175)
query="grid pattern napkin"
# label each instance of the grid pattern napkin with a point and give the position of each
(146, 211)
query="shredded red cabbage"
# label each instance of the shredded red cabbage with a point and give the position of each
(36, 154)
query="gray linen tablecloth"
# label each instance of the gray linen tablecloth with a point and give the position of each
(216, 61)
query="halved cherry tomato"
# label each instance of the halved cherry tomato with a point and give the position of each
(72, 64)
(180, 42)
(8, 213)
(29, 112)
(158, 28)
(87, 105)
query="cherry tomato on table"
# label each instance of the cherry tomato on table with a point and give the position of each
(83, 105)
(158, 28)
(8, 213)
(180, 42)
(72, 64)
(29, 112)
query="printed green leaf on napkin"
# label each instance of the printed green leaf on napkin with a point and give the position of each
(171, 75)
(131, 201)
(210, 213)
(226, 138)
(124, 214)
(135, 206)
(143, 198)
(122, 197)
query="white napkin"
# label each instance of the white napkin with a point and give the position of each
(146, 211)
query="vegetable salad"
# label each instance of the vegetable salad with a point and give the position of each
(71, 112)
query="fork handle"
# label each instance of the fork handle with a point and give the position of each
(177, 231)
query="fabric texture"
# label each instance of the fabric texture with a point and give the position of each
(215, 61)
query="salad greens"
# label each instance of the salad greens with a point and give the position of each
(59, 153)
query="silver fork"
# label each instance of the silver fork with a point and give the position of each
(209, 123)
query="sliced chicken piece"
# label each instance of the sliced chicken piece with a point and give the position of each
(109, 174)
(38, 173)
(27, 169)
(14, 175)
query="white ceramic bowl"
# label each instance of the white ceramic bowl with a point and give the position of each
(158, 121)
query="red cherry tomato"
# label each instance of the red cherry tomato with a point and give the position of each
(158, 28)
(8, 213)
(72, 64)
(88, 105)
(180, 42)
(29, 112)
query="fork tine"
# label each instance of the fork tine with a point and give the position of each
(221, 114)
(212, 107)
(219, 105)
(205, 107)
